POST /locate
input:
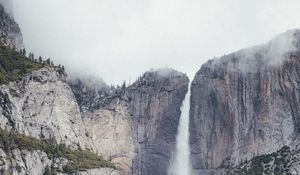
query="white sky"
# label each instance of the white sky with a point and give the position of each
(120, 39)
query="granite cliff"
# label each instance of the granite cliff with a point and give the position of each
(136, 128)
(52, 125)
(245, 104)
(244, 115)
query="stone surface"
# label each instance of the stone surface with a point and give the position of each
(109, 130)
(10, 33)
(136, 130)
(42, 105)
(22, 162)
(155, 101)
(137, 127)
(246, 104)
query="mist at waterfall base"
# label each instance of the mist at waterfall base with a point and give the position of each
(180, 164)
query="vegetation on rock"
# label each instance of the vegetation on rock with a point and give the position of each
(78, 160)
(277, 163)
(13, 65)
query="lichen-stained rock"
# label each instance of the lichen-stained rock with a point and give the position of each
(42, 105)
(155, 101)
(246, 104)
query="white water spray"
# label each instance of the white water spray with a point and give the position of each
(180, 164)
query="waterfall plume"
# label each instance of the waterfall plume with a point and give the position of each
(180, 164)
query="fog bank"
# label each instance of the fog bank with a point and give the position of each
(118, 40)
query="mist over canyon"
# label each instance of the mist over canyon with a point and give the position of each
(238, 115)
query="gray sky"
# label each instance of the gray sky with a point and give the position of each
(120, 39)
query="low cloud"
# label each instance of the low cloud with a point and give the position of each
(119, 40)
(8, 6)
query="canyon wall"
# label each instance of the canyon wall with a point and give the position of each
(245, 104)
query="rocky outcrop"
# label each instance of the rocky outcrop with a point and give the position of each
(108, 128)
(91, 93)
(137, 127)
(246, 104)
(23, 162)
(134, 127)
(42, 105)
(154, 108)
(10, 33)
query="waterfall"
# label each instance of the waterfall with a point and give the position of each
(180, 164)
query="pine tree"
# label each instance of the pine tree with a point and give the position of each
(30, 56)
(47, 171)
(124, 85)
(24, 52)
(40, 59)
(48, 61)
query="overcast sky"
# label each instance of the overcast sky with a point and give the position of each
(120, 39)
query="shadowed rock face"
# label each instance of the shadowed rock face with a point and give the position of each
(136, 127)
(246, 104)
(154, 107)
(10, 33)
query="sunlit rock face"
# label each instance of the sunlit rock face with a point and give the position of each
(10, 33)
(108, 129)
(246, 104)
(42, 105)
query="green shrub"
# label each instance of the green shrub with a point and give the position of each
(13, 65)
(78, 160)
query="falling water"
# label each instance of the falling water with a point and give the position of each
(180, 164)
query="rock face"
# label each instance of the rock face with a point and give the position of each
(42, 105)
(109, 130)
(246, 104)
(154, 108)
(22, 162)
(137, 127)
(134, 127)
(91, 93)
(10, 33)
(136, 130)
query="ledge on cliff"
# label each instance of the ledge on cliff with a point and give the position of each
(160, 79)
(13, 65)
(284, 161)
(77, 160)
